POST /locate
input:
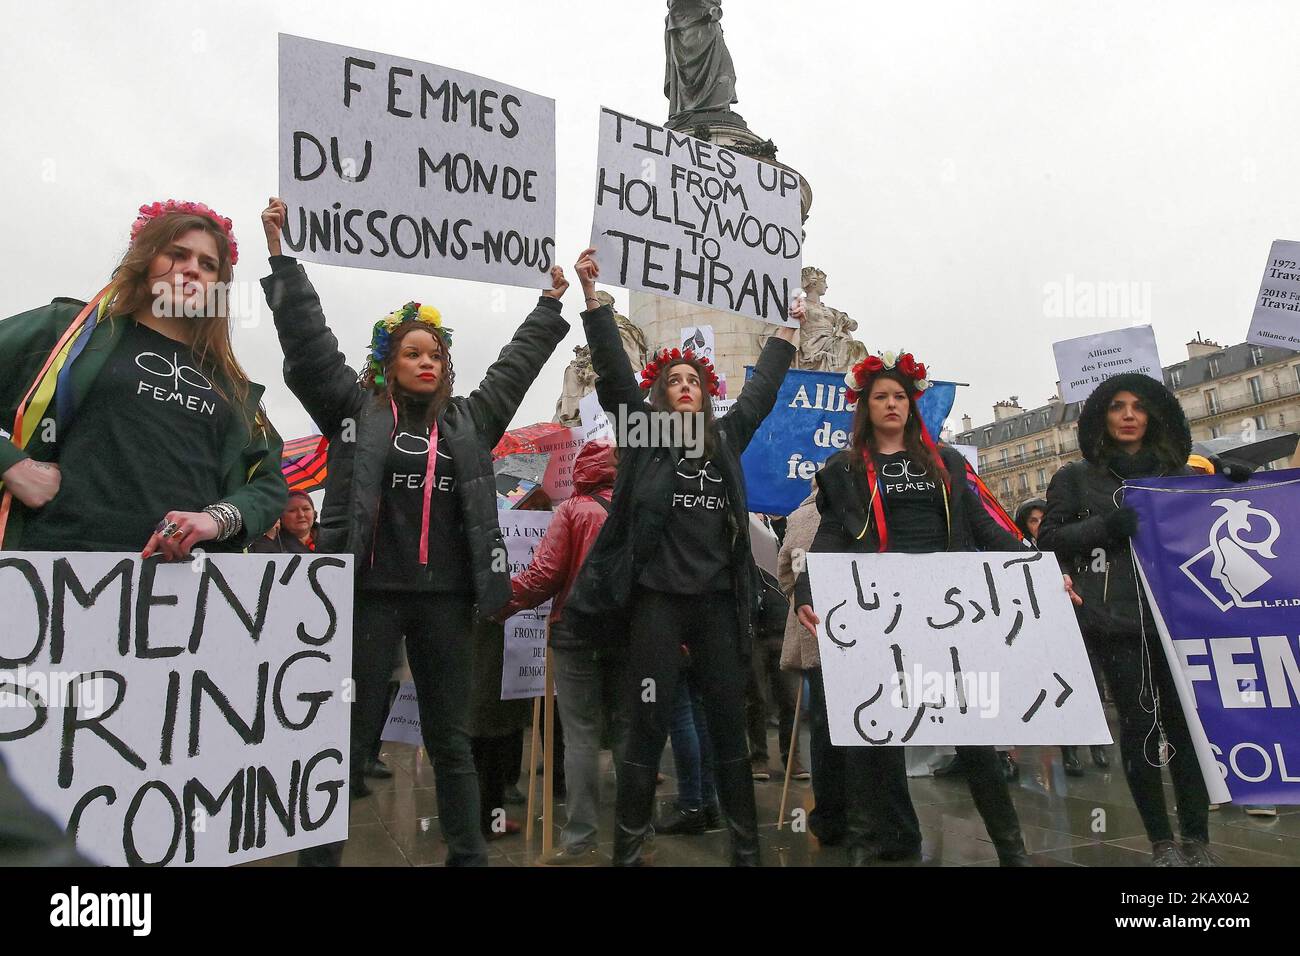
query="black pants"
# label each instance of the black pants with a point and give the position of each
(497, 761)
(438, 630)
(706, 624)
(1122, 660)
(770, 687)
(828, 781)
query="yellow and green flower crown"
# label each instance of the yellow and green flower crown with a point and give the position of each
(383, 329)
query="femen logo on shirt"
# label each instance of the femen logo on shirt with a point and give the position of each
(1228, 571)
(178, 382)
(417, 446)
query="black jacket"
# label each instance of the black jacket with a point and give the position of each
(1082, 494)
(318, 375)
(844, 497)
(643, 490)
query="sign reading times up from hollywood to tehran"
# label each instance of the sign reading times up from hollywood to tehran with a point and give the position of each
(680, 217)
(388, 163)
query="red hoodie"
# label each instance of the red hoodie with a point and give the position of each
(573, 531)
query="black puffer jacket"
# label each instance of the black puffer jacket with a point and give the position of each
(318, 375)
(1083, 493)
(643, 490)
(843, 497)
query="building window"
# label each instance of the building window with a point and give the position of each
(1176, 378)
(1024, 481)
(1004, 456)
(1020, 451)
(1256, 355)
(988, 435)
(984, 462)
(1042, 477)
(1256, 389)
(1214, 431)
(1006, 489)
(1214, 367)
(1211, 402)
(1039, 446)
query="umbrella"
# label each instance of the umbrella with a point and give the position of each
(303, 462)
(1267, 445)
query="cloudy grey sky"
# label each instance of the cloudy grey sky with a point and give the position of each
(970, 161)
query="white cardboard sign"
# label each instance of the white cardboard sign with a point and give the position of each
(1084, 363)
(175, 714)
(523, 669)
(952, 648)
(1276, 319)
(403, 724)
(595, 423)
(389, 163)
(700, 340)
(680, 217)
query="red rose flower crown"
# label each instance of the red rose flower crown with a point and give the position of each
(669, 357)
(901, 362)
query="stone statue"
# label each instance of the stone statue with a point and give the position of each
(825, 341)
(699, 78)
(580, 377)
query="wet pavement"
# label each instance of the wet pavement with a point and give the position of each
(1067, 821)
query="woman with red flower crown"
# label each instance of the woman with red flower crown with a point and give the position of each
(673, 560)
(126, 423)
(894, 490)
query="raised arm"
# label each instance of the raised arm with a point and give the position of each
(616, 384)
(314, 367)
(494, 403)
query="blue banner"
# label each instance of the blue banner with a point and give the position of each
(811, 421)
(1222, 562)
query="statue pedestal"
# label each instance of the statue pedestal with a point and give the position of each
(737, 337)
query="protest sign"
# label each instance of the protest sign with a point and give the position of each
(1084, 363)
(680, 217)
(1221, 564)
(1276, 319)
(525, 632)
(811, 420)
(700, 340)
(389, 163)
(188, 713)
(403, 723)
(595, 423)
(952, 648)
(563, 447)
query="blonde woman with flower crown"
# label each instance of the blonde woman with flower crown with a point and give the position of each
(126, 423)
(412, 496)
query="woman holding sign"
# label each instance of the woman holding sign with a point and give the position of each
(127, 423)
(1131, 426)
(673, 561)
(894, 490)
(412, 496)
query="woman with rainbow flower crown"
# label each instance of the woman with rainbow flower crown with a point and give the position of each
(412, 496)
(127, 423)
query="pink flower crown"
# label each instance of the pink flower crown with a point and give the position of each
(154, 210)
(669, 357)
(901, 362)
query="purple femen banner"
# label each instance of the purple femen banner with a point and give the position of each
(1222, 564)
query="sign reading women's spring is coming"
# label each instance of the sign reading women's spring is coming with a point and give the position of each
(388, 163)
(680, 217)
(170, 714)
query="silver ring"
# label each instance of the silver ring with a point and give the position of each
(169, 529)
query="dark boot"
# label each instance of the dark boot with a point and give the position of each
(736, 793)
(633, 832)
(1070, 761)
(1100, 756)
(458, 816)
(993, 801)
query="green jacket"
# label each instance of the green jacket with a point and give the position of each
(250, 461)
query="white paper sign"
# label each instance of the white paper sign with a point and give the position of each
(523, 666)
(190, 713)
(595, 423)
(403, 723)
(952, 648)
(700, 340)
(1276, 319)
(523, 531)
(1084, 363)
(389, 163)
(680, 217)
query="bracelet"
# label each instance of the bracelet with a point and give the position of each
(592, 298)
(229, 521)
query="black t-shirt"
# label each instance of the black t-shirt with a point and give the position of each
(146, 440)
(396, 565)
(914, 510)
(694, 556)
